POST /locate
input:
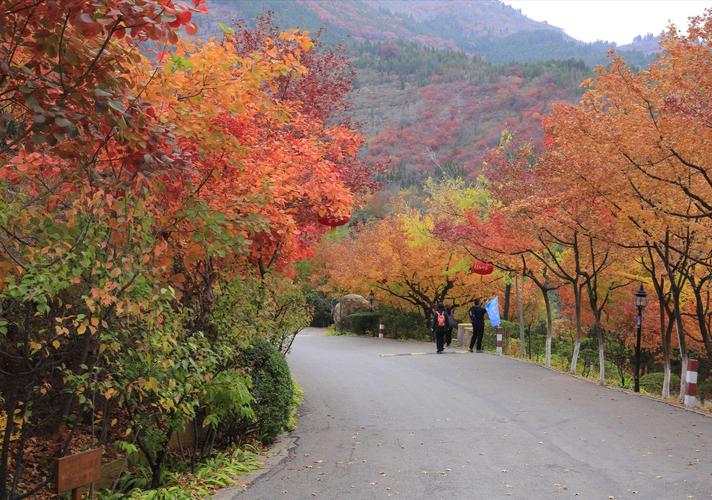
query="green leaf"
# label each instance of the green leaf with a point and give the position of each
(226, 29)
(117, 106)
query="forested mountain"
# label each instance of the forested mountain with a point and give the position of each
(647, 44)
(437, 82)
(489, 28)
(429, 110)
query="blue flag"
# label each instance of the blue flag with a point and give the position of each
(493, 311)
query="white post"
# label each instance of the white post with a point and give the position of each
(499, 341)
(381, 328)
(691, 383)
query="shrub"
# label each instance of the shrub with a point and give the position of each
(653, 382)
(272, 389)
(361, 322)
(321, 306)
(704, 391)
(403, 324)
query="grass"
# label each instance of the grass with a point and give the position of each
(297, 400)
(214, 473)
(217, 472)
(332, 331)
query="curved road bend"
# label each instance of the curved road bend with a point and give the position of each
(475, 426)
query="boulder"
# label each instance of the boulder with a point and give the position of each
(349, 304)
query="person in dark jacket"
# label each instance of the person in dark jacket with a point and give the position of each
(451, 323)
(477, 316)
(440, 326)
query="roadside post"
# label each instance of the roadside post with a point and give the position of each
(693, 366)
(381, 329)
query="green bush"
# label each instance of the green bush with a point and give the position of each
(403, 324)
(704, 390)
(272, 389)
(361, 322)
(653, 382)
(321, 305)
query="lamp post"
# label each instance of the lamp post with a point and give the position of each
(371, 299)
(641, 299)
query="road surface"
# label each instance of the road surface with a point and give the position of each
(471, 426)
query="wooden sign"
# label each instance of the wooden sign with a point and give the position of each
(481, 267)
(75, 471)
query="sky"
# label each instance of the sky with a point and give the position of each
(613, 20)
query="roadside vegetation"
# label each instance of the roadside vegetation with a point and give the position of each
(155, 193)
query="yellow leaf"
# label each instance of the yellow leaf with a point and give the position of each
(151, 384)
(55, 344)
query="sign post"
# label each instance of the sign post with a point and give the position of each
(75, 471)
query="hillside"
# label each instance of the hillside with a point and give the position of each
(488, 28)
(647, 44)
(430, 110)
(437, 82)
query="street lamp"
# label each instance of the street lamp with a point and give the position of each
(641, 299)
(371, 299)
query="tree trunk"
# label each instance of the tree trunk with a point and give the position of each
(10, 406)
(155, 476)
(577, 339)
(549, 326)
(507, 296)
(601, 353)
(681, 342)
(667, 348)
(520, 309)
(701, 313)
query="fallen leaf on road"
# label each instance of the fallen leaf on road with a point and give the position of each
(318, 461)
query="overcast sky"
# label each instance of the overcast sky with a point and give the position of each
(613, 20)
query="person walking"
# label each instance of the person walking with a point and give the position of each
(477, 316)
(439, 326)
(451, 323)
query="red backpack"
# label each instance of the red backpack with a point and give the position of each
(441, 318)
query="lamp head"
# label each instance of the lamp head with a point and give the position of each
(641, 298)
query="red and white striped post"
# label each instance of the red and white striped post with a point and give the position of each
(499, 341)
(381, 329)
(693, 366)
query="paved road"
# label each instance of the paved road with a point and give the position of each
(476, 426)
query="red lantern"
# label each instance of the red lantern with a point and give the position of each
(481, 267)
(332, 221)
